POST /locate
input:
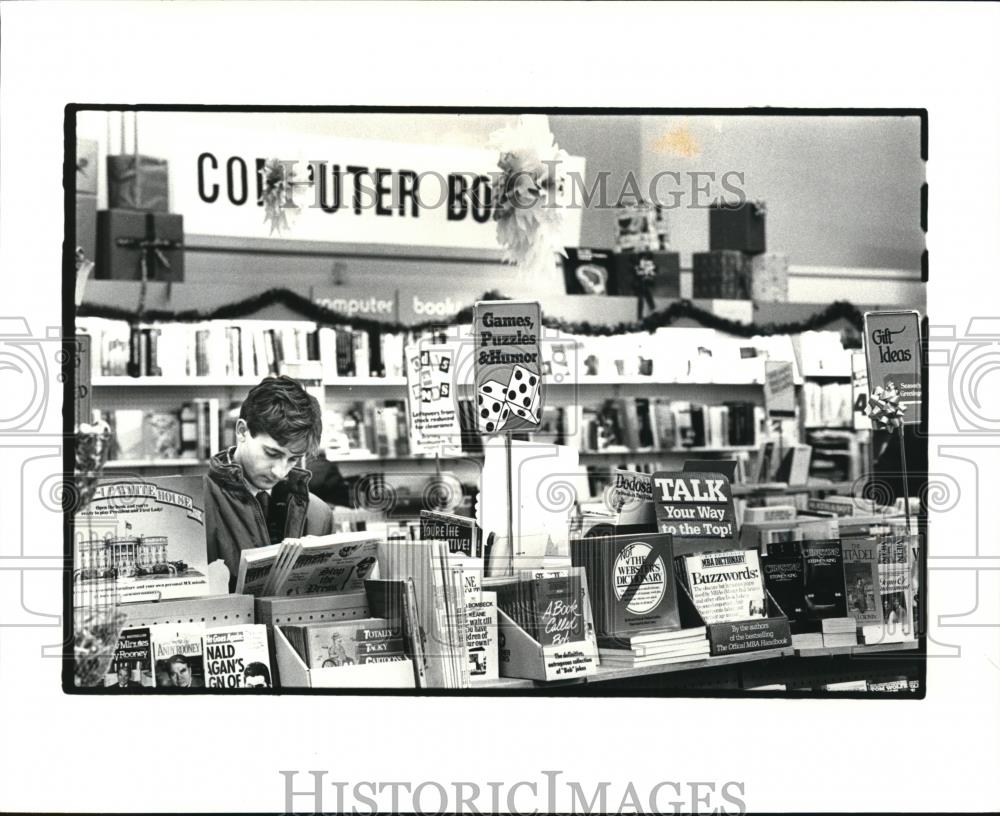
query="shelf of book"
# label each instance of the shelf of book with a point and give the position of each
(605, 674)
(126, 464)
(860, 649)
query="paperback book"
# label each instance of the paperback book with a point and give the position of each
(823, 578)
(862, 581)
(132, 665)
(179, 655)
(632, 582)
(725, 586)
(236, 657)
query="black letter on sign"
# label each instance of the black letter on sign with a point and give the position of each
(230, 183)
(381, 191)
(358, 172)
(317, 173)
(408, 190)
(482, 199)
(208, 198)
(457, 188)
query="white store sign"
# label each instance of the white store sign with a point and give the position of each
(352, 191)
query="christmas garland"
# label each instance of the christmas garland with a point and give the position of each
(678, 310)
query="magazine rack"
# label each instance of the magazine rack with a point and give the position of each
(294, 673)
(735, 637)
(520, 655)
(213, 610)
(277, 610)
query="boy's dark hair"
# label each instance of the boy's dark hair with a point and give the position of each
(281, 408)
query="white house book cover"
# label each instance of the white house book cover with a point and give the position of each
(141, 540)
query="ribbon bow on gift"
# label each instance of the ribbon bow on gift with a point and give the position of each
(759, 208)
(149, 245)
(884, 409)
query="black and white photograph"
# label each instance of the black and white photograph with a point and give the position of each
(470, 424)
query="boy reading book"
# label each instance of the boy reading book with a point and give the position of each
(257, 493)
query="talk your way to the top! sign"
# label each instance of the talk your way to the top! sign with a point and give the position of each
(508, 365)
(892, 349)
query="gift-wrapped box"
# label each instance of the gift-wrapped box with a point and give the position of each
(124, 237)
(663, 269)
(588, 271)
(137, 182)
(721, 274)
(769, 278)
(737, 227)
(86, 166)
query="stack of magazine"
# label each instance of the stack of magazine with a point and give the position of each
(308, 566)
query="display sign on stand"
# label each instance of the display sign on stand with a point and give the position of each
(508, 375)
(892, 349)
(696, 509)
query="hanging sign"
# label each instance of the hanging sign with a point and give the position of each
(892, 349)
(430, 399)
(347, 177)
(508, 365)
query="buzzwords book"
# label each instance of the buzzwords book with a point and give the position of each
(725, 586)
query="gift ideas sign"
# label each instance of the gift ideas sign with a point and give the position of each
(508, 365)
(356, 190)
(892, 349)
(696, 509)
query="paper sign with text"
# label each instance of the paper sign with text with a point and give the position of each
(430, 399)
(696, 509)
(508, 365)
(892, 348)
(779, 388)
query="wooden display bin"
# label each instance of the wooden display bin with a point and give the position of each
(738, 637)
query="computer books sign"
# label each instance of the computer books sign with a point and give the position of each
(508, 365)
(141, 540)
(892, 348)
(696, 509)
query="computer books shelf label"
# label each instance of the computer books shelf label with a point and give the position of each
(696, 509)
(141, 540)
(508, 365)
